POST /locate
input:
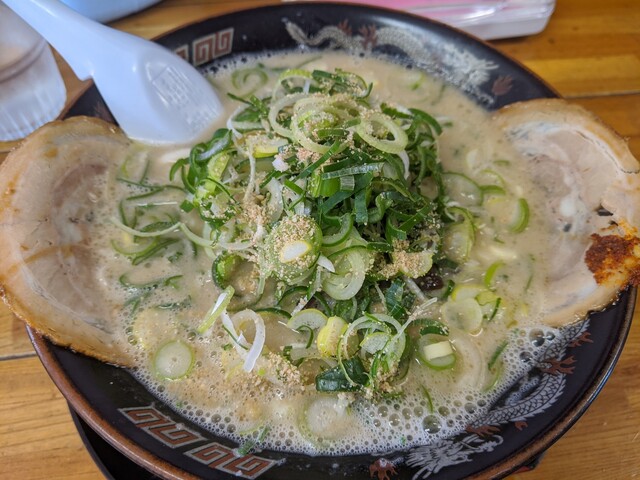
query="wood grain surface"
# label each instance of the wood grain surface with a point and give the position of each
(589, 52)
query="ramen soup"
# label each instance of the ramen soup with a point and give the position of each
(356, 260)
(350, 263)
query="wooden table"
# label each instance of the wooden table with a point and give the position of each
(590, 52)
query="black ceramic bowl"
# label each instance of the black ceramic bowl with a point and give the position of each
(534, 413)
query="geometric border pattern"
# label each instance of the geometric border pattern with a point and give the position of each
(207, 48)
(225, 459)
(212, 454)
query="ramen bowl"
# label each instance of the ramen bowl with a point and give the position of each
(534, 412)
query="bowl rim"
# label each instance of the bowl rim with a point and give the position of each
(162, 467)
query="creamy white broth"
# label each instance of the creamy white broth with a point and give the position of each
(276, 402)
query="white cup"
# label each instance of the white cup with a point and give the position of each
(32, 92)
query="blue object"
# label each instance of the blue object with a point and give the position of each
(105, 11)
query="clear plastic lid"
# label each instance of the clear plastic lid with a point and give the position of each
(485, 18)
(32, 91)
(449, 11)
(17, 38)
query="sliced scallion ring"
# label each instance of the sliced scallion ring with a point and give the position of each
(351, 268)
(173, 360)
(292, 248)
(439, 355)
(371, 124)
(436, 352)
(247, 80)
(346, 224)
(459, 237)
(310, 318)
(462, 190)
(304, 125)
(329, 336)
(465, 313)
(277, 107)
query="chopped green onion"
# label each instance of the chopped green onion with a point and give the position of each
(521, 218)
(329, 336)
(496, 355)
(143, 234)
(173, 360)
(369, 130)
(309, 318)
(216, 310)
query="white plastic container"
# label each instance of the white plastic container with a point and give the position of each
(32, 91)
(515, 18)
(487, 19)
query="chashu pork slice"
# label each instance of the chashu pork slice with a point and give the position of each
(592, 185)
(50, 189)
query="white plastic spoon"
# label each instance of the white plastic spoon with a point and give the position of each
(154, 95)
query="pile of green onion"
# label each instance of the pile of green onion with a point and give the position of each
(337, 206)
